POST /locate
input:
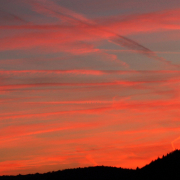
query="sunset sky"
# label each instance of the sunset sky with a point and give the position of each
(88, 82)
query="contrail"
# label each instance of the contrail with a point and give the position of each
(115, 38)
(10, 16)
(126, 42)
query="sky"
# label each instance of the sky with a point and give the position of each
(88, 82)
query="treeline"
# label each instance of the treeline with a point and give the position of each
(167, 167)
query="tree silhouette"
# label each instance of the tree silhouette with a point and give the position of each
(167, 167)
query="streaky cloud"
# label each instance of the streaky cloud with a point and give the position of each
(6, 16)
(116, 38)
(126, 42)
(24, 86)
(86, 72)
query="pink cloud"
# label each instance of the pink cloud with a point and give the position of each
(69, 100)
(24, 86)
(89, 26)
(85, 72)
(142, 23)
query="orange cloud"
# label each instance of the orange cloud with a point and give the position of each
(71, 98)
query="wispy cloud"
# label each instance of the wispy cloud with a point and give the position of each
(126, 42)
(59, 11)
(86, 72)
(9, 17)
(84, 90)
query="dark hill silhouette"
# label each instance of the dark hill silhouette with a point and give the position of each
(167, 167)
